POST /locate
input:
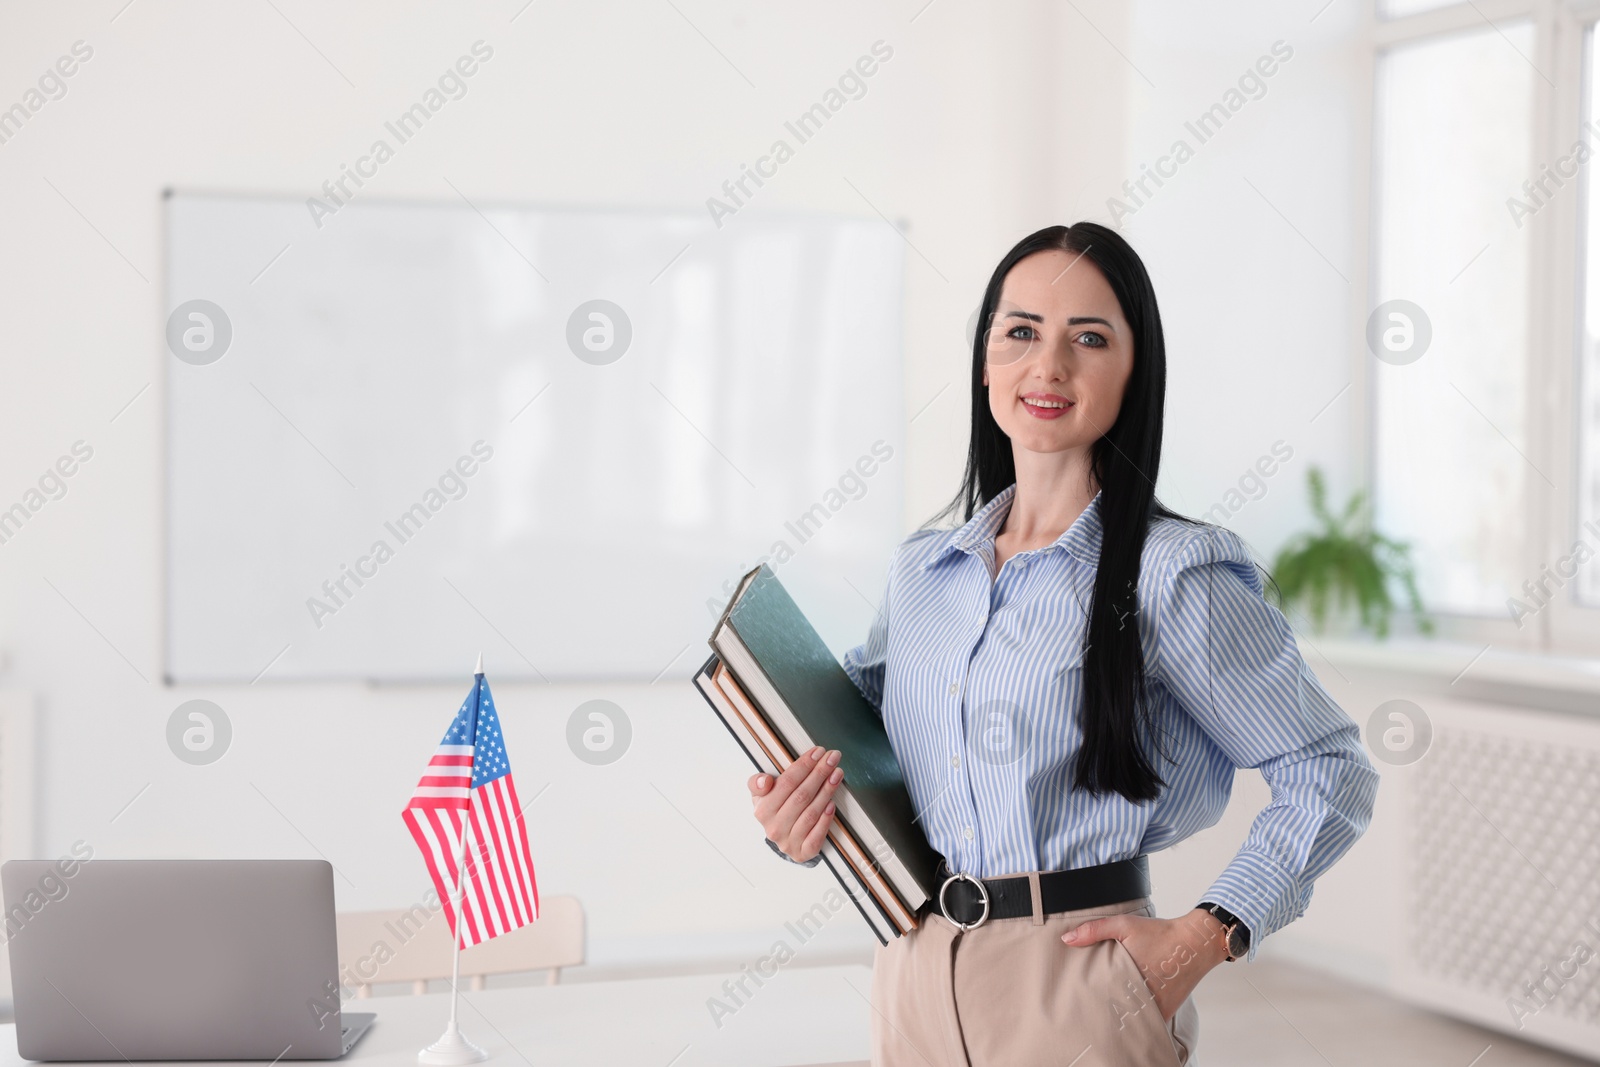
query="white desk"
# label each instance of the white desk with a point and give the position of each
(801, 1015)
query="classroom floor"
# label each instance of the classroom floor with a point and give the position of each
(1275, 1014)
(1281, 1014)
(1266, 1014)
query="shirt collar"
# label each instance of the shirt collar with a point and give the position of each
(1081, 540)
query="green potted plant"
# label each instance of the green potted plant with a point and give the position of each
(1345, 560)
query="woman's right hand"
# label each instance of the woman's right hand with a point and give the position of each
(796, 808)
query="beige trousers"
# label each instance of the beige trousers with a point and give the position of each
(1011, 993)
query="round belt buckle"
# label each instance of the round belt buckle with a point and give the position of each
(983, 894)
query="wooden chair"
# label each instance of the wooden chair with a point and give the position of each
(414, 946)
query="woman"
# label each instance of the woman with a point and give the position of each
(1069, 681)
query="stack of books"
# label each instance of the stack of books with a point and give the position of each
(780, 692)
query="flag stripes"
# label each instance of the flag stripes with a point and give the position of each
(466, 798)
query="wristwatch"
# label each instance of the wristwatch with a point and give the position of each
(1238, 934)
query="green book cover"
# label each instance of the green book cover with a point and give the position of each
(834, 712)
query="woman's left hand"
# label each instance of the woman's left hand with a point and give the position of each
(1172, 954)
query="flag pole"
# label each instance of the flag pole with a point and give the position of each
(452, 1049)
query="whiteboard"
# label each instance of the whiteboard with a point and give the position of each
(409, 434)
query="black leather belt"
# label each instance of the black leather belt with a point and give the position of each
(970, 902)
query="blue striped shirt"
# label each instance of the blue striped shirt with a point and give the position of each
(979, 680)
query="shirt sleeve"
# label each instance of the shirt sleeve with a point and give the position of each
(866, 663)
(1230, 659)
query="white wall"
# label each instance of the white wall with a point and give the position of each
(986, 123)
(1252, 247)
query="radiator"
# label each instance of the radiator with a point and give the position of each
(1501, 872)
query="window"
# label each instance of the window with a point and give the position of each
(1453, 133)
(1587, 408)
(1485, 223)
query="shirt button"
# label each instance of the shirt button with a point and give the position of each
(953, 687)
(955, 761)
(969, 833)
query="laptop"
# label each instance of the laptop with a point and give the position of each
(175, 960)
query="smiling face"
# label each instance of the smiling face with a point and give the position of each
(1058, 354)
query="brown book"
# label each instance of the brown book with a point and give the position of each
(805, 698)
(878, 920)
(840, 834)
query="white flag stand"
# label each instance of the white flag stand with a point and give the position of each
(452, 1049)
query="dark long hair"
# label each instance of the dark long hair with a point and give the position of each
(1116, 711)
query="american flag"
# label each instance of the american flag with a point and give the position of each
(468, 785)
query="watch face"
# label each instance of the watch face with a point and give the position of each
(1238, 944)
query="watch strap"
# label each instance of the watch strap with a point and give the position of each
(1238, 932)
